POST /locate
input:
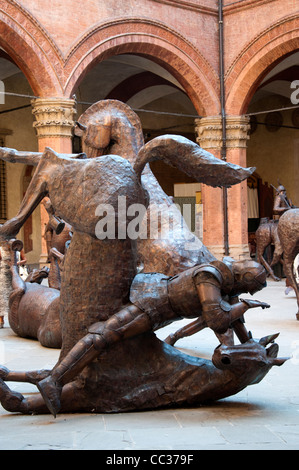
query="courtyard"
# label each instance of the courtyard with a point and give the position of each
(264, 416)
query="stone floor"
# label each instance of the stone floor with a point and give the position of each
(262, 417)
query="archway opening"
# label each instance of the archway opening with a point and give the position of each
(16, 131)
(273, 147)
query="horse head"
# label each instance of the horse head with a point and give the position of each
(253, 358)
(110, 127)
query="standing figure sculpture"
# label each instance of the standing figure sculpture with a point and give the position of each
(281, 202)
(137, 371)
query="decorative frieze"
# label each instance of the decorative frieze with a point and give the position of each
(54, 117)
(209, 132)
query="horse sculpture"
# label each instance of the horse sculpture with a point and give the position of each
(288, 231)
(283, 233)
(111, 127)
(266, 235)
(33, 308)
(98, 273)
(181, 379)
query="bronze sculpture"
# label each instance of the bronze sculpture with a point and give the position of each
(5, 274)
(155, 302)
(281, 202)
(58, 235)
(282, 233)
(5, 280)
(288, 229)
(98, 270)
(112, 127)
(33, 308)
(162, 376)
(267, 235)
(267, 232)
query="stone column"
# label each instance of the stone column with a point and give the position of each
(54, 122)
(209, 132)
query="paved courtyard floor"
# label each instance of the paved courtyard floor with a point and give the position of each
(264, 416)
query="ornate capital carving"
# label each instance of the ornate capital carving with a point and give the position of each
(209, 132)
(53, 116)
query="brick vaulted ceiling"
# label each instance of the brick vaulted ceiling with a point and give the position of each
(129, 87)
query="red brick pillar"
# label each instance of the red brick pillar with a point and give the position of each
(209, 131)
(53, 123)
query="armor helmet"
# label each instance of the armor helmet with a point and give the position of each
(280, 189)
(249, 276)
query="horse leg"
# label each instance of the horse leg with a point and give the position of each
(14, 156)
(32, 377)
(278, 250)
(277, 255)
(16, 402)
(72, 399)
(54, 278)
(260, 259)
(18, 288)
(36, 191)
(289, 272)
(12, 401)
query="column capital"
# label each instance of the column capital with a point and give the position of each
(209, 132)
(54, 117)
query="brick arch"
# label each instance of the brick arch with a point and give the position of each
(155, 41)
(28, 44)
(256, 60)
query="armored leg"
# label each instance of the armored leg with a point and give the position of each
(80, 356)
(127, 323)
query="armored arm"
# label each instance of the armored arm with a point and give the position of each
(281, 204)
(217, 313)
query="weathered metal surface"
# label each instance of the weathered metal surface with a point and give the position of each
(119, 364)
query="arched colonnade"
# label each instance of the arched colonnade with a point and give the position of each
(54, 78)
